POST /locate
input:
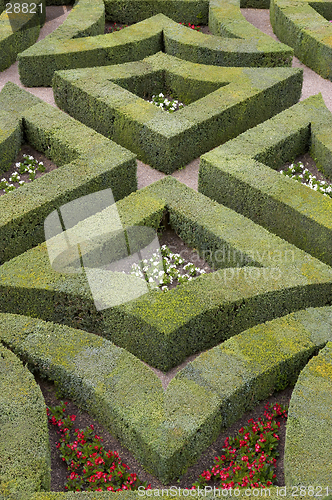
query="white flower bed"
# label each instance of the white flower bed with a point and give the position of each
(299, 173)
(164, 268)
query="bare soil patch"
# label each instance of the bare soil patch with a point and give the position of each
(308, 163)
(40, 157)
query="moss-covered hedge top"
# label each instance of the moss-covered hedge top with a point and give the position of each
(65, 50)
(274, 493)
(270, 278)
(305, 26)
(253, 243)
(222, 103)
(270, 142)
(12, 22)
(240, 174)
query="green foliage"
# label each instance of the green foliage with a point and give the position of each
(87, 162)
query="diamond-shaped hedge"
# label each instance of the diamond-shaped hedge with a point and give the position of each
(304, 25)
(163, 329)
(87, 162)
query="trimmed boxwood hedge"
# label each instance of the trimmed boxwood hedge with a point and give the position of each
(86, 19)
(305, 26)
(87, 161)
(309, 427)
(168, 430)
(63, 50)
(222, 103)
(10, 138)
(133, 11)
(239, 174)
(259, 277)
(24, 441)
(18, 32)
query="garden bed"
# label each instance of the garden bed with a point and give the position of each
(83, 420)
(191, 397)
(30, 151)
(309, 163)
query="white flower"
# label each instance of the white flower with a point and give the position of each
(151, 280)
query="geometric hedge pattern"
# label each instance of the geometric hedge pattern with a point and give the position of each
(259, 277)
(18, 32)
(258, 334)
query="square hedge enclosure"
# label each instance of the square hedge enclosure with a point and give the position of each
(221, 103)
(263, 312)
